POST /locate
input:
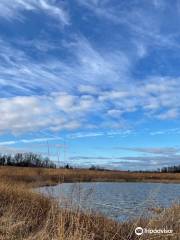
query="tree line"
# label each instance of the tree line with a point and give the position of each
(26, 160)
(172, 169)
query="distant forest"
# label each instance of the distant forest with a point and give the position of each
(173, 169)
(26, 160)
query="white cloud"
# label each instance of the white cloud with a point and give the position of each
(154, 150)
(56, 111)
(14, 9)
(24, 114)
(99, 134)
(66, 110)
(88, 89)
(32, 140)
(170, 114)
(114, 113)
(74, 104)
(166, 131)
(85, 135)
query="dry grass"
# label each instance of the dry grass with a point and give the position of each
(42, 176)
(27, 215)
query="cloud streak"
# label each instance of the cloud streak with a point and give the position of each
(14, 9)
(32, 140)
(154, 150)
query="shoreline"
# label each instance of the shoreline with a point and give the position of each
(110, 181)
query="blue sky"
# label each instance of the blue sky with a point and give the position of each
(100, 76)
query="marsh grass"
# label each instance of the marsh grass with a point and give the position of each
(25, 214)
(45, 176)
(28, 215)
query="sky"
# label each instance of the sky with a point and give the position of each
(91, 82)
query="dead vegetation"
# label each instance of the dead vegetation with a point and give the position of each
(27, 215)
(46, 176)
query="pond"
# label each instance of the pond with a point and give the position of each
(119, 201)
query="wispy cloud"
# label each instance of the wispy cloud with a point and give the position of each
(131, 15)
(153, 150)
(15, 150)
(32, 140)
(168, 131)
(123, 133)
(15, 9)
(87, 66)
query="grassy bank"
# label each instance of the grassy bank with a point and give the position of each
(44, 176)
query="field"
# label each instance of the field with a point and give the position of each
(45, 176)
(25, 214)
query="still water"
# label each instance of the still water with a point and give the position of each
(120, 201)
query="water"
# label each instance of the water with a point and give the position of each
(120, 201)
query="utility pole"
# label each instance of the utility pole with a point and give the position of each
(64, 149)
(48, 149)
